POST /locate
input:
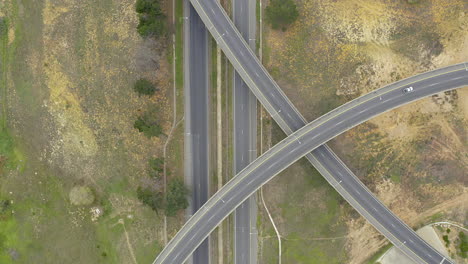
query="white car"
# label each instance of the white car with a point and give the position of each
(408, 89)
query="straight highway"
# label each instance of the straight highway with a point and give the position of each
(308, 138)
(196, 120)
(245, 144)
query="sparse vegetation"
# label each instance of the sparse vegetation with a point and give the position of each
(156, 167)
(144, 87)
(3, 26)
(40, 222)
(176, 198)
(281, 13)
(151, 18)
(81, 195)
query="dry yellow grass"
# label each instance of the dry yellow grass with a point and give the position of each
(338, 50)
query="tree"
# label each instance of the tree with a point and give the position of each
(155, 200)
(151, 18)
(145, 87)
(281, 13)
(176, 198)
(148, 125)
(156, 167)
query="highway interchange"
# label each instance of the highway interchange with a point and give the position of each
(276, 103)
(297, 145)
(325, 158)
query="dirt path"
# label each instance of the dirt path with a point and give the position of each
(129, 245)
(458, 201)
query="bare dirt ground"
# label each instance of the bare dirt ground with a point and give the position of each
(413, 157)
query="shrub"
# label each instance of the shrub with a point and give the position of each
(447, 241)
(145, 87)
(156, 167)
(281, 13)
(155, 200)
(463, 244)
(148, 125)
(151, 18)
(176, 198)
(4, 205)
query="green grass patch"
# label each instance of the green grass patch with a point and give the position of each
(179, 45)
(435, 217)
(10, 155)
(310, 209)
(395, 178)
(214, 71)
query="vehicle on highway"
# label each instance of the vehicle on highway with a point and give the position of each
(408, 89)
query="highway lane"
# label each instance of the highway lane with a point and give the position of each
(245, 144)
(302, 142)
(196, 126)
(276, 103)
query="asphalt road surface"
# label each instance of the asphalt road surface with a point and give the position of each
(271, 96)
(302, 142)
(196, 120)
(245, 144)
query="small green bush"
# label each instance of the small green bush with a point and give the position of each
(281, 13)
(152, 21)
(148, 126)
(447, 241)
(176, 198)
(145, 87)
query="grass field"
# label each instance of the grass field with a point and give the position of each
(309, 215)
(68, 110)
